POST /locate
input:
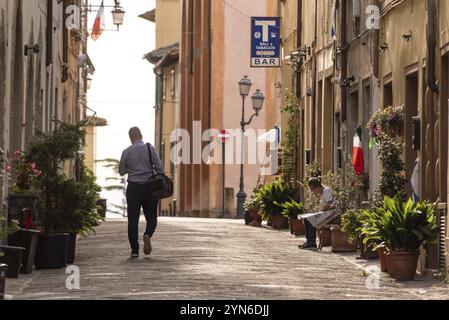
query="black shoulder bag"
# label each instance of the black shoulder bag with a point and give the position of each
(161, 186)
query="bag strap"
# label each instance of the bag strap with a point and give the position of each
(151, 159)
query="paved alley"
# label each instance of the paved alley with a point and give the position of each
(213, 259)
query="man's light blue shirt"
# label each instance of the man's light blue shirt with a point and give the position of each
(135, 162)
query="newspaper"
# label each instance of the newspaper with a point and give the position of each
(320, 219)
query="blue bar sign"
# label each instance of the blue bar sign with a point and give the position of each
(265, 42)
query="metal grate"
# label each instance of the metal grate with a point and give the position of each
(442, 212)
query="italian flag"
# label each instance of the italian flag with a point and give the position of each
(99, 24)
(357, 152)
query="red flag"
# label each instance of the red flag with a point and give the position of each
(99, 24)
(357, 153)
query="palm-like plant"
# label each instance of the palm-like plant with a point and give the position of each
(401, 226)
(291, 209)
(118, 183)
(271, 196)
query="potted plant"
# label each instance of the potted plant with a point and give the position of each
(64, 204)
(23, 172)
(341, 242)
(252, 215)
(22, 206)
(352, 222)
(9, 255)
(403, 227)
(84, 198)
(292, 210)
(270, 197)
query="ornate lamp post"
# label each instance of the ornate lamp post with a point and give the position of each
(118, 15)
(257, 99)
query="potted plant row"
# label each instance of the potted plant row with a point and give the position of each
(402, 228)
(66, 207)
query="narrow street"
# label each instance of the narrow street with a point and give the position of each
(213, 259)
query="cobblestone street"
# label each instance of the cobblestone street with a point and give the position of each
(213, 259)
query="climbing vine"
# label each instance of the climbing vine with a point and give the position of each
(290, 143)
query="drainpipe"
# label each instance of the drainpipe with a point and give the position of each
(300, 153)
(375, 46)
(298, 46)
(344, 60)
(431, 45)
(314, 93)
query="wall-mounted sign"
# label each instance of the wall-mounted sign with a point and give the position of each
(265, 42)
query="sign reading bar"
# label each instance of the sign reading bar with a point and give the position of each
(265, 42)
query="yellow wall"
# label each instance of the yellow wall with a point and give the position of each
(168, 33)
(167, 22)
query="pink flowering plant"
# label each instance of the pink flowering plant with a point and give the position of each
(388, 121)
(23, 171)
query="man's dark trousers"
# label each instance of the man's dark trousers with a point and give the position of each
(137, 197)
(310, 232)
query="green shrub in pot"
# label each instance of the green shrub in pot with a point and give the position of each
(401, 226)
(271, 197)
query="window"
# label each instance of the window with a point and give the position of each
(173, 83)
(388, 94)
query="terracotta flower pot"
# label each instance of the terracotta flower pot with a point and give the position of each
(325, 237)
(279, 222)
(404, 265)
(383, 259)
(297, 227)
(341, 242)
(253, 218)
(390, 267)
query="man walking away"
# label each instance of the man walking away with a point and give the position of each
(135, 162)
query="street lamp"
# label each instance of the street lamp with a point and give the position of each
(257, 99)
(118, 15)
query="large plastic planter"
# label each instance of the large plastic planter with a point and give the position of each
(28, 240)
(13, 258)
(71, 248)
(3, 268)
(51, 252)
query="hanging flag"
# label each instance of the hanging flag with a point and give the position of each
(334, 21)
(357, 152)
(99, 24)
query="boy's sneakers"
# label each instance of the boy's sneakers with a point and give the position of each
(147, 245)
(134, 255)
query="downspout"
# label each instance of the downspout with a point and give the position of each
(344, 61)
(431, 45)
(314, 95)
(298, 46)
(375, 46)
(300, 153)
